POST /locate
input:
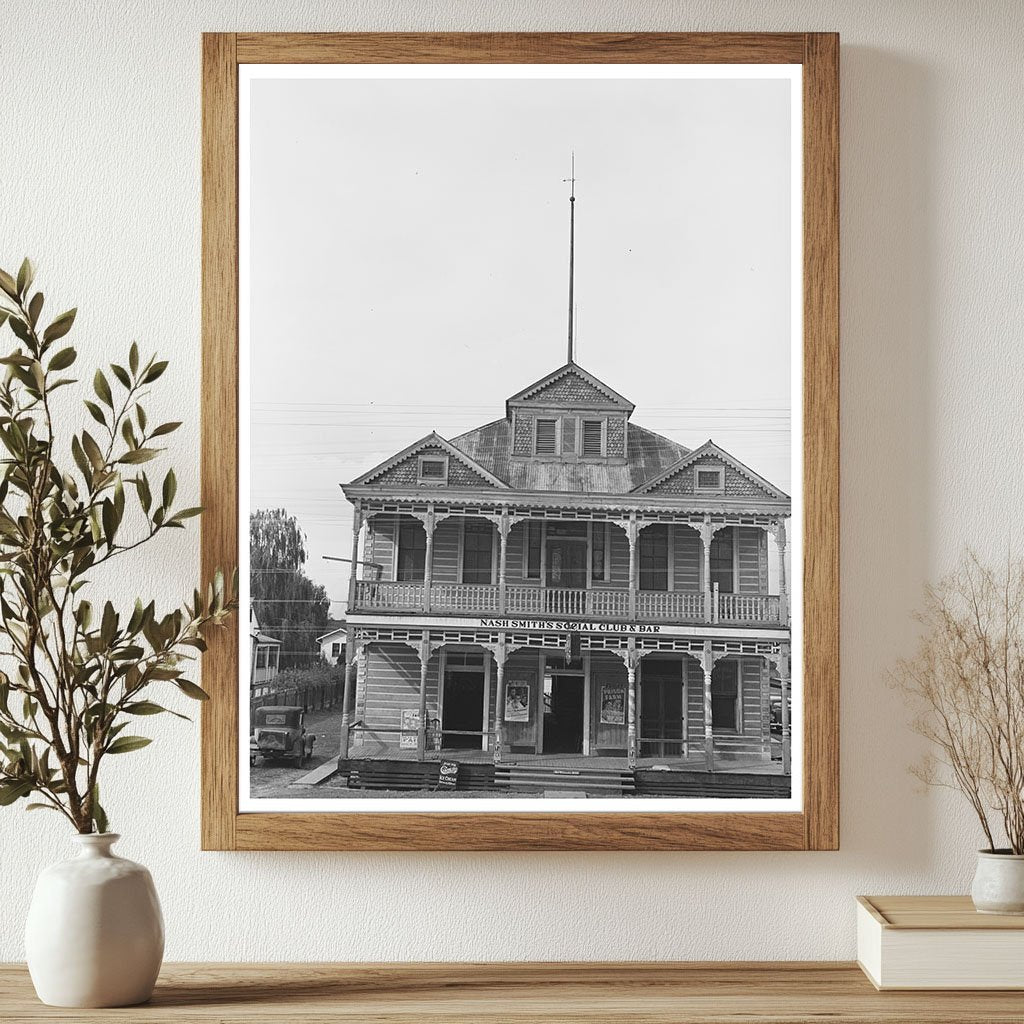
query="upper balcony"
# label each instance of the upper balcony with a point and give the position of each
(629, 571)
(481, 600)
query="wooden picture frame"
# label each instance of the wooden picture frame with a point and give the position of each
(816, 827)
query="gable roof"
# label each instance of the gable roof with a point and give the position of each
(571, 385)
(647, 455)
(709, 448)
(432, 440)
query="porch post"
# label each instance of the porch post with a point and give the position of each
(428, 525)
(787, 766)
(357, 525)
(707, 664)
(631, 663)
(632, 533)
(421, 731)
(500, 656)
(503, 528)
(350, 685)
(779, 532)
(705, 537)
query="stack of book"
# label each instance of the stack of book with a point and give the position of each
(938, 942)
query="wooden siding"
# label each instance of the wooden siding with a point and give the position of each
(687, 562)
(618, 555)
(381, 547)
(446, 561)
(606, 669)
(391, 685)
(694, 703)
(747, 543)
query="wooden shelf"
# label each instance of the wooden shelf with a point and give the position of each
(793, 993)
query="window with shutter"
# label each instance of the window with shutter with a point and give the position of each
(592, 438)
(547, 441)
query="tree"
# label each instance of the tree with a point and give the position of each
(289, 605)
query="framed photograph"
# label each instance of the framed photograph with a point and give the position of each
(520, 420)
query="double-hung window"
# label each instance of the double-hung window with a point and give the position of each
(477, 551)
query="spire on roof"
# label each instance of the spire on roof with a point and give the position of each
(572, 241)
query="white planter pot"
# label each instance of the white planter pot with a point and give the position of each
(999, 883)
(95, 934)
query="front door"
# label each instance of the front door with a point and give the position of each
(661, 708)
(563, 714)
(463, 710)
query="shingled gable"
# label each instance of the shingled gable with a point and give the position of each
(433, 442)
(709, 452)
(567, 386)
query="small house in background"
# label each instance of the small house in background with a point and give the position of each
(265, 654)
(332, 643)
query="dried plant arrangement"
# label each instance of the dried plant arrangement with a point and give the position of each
(81, 670)
(966, 683)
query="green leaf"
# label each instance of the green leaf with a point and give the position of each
(41, 807)
(60, 326)
(99, 816)
(35, 307)
(147, 707)
(165, 428)
(145, 497)
(128, 433)
(170, 488)
(95, 412)
(185, 513)
(191, 690)
(8, 284)
(26, 274)
(154, 371)
(20, 329)
(121, 374)
(139, 455)
(126, 744)
(92, 449)
(63, 359)
(102, 388)
(14, 790)
(133, 358)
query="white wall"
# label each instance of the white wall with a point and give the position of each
(99, 181)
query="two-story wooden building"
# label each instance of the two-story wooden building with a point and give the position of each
(562, 581)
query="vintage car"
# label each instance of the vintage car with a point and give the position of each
(279, 734)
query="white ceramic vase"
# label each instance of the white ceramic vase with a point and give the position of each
(999, 883)
(95, 934)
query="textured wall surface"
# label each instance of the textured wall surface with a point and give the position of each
(99, 181)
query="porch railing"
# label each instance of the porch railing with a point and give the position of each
(748, 608)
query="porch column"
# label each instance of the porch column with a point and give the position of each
(500, 657)
(705, 538)
(351, 668)
(707, 664)
(631, 663)
(787, 765)
(428, 525)
(632, 534)
(503, 528)
(779, 533)
(357, 525)
(421, 731)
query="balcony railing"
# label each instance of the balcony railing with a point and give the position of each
(596, 603)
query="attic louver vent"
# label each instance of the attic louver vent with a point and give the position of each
(592, 438)
(546, 438)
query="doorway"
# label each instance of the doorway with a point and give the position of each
(661, 708)
(563, 713)
(462, 704)
(567, 564)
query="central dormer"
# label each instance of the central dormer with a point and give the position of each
(569, 416)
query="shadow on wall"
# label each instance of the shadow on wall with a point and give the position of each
(887, 281)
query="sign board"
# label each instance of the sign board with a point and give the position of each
(517, 702)
(410, 729)
(448, 776)
(613, 705)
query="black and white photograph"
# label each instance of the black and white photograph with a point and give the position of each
(519, 458)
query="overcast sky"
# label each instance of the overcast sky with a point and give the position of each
(409, 244)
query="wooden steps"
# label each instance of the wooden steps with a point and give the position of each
(607, 782)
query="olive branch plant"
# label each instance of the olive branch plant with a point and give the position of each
(80, 674)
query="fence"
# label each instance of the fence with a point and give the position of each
(311, 697)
